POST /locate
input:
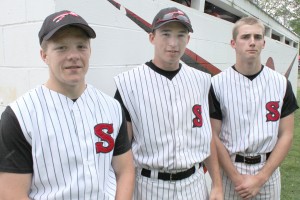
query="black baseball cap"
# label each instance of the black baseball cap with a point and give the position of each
(171, 14)
(60, 19)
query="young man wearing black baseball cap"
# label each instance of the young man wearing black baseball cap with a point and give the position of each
(65, 139)
(166, 103)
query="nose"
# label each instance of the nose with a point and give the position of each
(252, 40)
(73, 54)
(173, 41)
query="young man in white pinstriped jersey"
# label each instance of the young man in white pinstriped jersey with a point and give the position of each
(168, 117)
(65, 139)
(253, 119)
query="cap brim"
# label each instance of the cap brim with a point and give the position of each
(90, 32)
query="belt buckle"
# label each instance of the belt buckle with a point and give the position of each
(252, 159)
(173, 177)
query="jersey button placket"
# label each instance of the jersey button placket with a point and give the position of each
(173, 92)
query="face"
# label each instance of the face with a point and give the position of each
(169, 42)
(67, 54)
(249, 42)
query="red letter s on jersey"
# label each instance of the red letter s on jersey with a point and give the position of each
(104, 136)
(273, 114)
(197, 121)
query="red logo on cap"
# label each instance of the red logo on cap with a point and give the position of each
(61, 16)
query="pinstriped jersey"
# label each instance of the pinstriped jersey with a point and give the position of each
(250, 109)
(72, 142)
(170, 118)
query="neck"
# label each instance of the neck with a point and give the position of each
(70, 91)
(248, 68)
(166, 66)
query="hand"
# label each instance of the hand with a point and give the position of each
(216, 193)
(249, 187)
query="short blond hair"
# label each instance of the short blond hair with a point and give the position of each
(248, 21)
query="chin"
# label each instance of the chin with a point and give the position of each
(76, 82)
(252, 57)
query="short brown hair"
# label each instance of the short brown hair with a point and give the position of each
(246, 20)
(44, 45)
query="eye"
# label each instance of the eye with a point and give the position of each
(61, 48)
(258, 37)
(82, 46)
(245, 36)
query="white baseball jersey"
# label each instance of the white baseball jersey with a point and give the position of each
(250, 110)
(171, 127)
(72, 143)
(250, 121)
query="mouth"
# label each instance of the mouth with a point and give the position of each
(172, 51)
(252, 51)
(73, 67)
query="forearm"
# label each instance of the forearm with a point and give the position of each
(281, 149)
(125, 175)
(223, 155)
(9, 197)
(212, 165)
(14, 186)
(277, 156)
(226, 163)
(125, 186)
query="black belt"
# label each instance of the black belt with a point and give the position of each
(250, 159)
(170, 176)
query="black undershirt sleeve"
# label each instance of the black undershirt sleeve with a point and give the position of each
(119, 98)
(15, 151)
(289, 101)
(215, 113)
(210, 103)
(122, 141)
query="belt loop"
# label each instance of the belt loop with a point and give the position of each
(138, 170)
(154, 174)
(263, 157)
(171, 178)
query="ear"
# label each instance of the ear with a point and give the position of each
(43, 55)
(264, 44)
(151, 37)
(188, 39)
(232, 43)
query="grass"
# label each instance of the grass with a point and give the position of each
(290, 168)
